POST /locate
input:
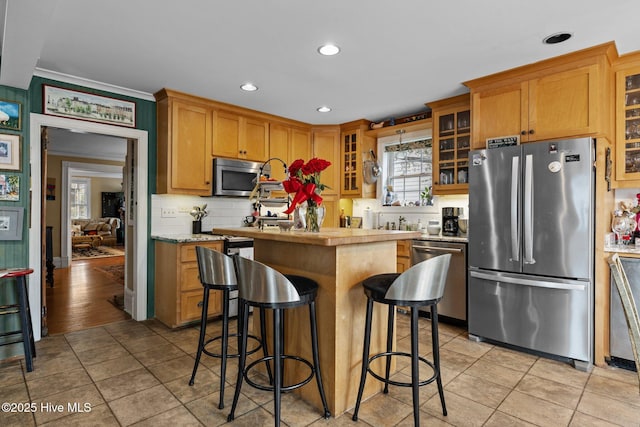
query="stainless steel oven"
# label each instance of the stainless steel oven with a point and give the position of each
(454, 301)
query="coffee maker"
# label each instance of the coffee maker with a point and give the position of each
(450, 221)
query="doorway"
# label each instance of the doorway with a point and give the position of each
(137, 220)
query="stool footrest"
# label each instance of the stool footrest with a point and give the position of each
(230, 355)
(399, 383)
(285, 388)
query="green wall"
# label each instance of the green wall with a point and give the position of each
(16, 253)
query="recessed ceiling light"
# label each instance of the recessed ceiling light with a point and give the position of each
(249, 87)
(324, 109)
(556, 38)
(328, 49)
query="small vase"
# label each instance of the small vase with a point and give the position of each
(196, 227)
(314, 216)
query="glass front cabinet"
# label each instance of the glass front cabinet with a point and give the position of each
(451, 144)
(628, 124)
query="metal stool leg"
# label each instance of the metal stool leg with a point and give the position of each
(390, 319)
(436, 355)
(263, 337)
(278, 362)
(243, 320)
(224, 344)
(316, 356)
(365, 357)
(203, 328)
(25, 320)
(415, 370)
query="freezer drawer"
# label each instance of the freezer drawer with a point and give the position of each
(546, 315)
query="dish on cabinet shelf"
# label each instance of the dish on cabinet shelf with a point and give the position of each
(274, 202)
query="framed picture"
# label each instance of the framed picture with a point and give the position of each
(10, 113)
(10, 188)
(9, 152)
(74, 104)
(11, 223)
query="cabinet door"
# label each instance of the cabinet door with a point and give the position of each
(564, 104)
(325, 146)
(190, 148)
(628, 125)
(499, 112)
(351, 179)
(226, 134)
(300, 147)
(254, 140)
(331, 218)
(279, 148)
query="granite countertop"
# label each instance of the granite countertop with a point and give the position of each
(186, 238)
(441, 238)
(326, 237)
(623, 249)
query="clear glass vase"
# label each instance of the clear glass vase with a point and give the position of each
(309, 216)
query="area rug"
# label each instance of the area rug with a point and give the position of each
(99, 252)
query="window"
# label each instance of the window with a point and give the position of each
(80, 200)
(407, 171)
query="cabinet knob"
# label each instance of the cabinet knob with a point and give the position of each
(200, 303)
(524, 132)
(531, 131)
(207, 182)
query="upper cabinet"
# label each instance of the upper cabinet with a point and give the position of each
(325, 146)
(287, 143)
(628, 121)
(562, 97)
(184, 144)
(355, 146)
(451, 143)
(239, 136)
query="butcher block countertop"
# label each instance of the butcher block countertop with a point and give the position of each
(326, 236)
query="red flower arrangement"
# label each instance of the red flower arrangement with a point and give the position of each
(304, 180)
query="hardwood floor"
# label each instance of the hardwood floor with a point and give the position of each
(81, 296)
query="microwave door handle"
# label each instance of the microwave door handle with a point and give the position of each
(515, 244)
(528, 210)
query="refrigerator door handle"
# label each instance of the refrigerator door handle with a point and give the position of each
(519, 280)
(515, 244)
(528, 210)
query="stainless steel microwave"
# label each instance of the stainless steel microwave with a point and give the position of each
(236, 178)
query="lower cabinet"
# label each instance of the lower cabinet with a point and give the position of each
(178, 292)
(403, 255)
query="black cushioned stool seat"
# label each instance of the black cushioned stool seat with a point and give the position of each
(421, 285)
(262, 286)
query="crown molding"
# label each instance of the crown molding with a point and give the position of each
(80, 81)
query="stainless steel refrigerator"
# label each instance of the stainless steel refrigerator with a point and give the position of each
(531, 247)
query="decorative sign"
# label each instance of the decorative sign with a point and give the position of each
(503, 141)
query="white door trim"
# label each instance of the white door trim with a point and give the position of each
(138, 253)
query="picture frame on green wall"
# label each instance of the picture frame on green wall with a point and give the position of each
(10, 115)
(11, 223)
(10, 152)
(10, 188)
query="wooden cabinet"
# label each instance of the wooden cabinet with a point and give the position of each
(178, 291)
(561, 97)
(451, 144)
(239, 136)
(325, 146)
(184, 144)
(288, 144)
(354, 146)
(628, 124)
(404, 255)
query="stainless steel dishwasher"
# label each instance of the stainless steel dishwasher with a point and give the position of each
(454, 301)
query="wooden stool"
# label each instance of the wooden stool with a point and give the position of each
(22, 308)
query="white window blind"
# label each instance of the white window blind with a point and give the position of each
(80, 200)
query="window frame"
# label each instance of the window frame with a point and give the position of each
(387, 164)
(86, 182)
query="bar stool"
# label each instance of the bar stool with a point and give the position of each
(421, 285)
(22, 308)
(262, 286)
(217, 272)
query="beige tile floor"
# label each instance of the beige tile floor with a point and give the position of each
(136, 373)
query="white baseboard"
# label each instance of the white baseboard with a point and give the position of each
(128, 300)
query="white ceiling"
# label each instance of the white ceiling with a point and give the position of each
(396, 55)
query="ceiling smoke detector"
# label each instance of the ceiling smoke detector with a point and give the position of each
(556, 38)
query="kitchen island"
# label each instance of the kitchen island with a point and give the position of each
(338, 259)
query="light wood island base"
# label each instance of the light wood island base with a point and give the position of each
(338, 259)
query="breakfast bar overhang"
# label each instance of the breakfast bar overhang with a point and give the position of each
(338, 259)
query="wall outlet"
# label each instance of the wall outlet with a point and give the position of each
(168, 212)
